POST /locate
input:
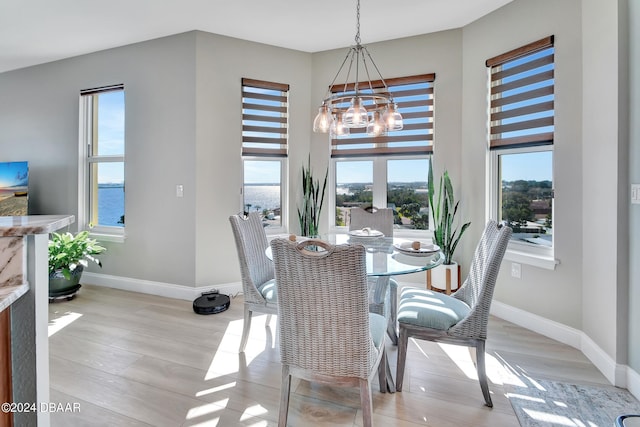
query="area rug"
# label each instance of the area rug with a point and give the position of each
(541, 403)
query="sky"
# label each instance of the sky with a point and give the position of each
(13, 174)
(530, 166)
(111, 135)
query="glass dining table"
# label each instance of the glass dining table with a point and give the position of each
(386, 257)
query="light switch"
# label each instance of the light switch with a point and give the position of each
(179, 190)
(635, 193)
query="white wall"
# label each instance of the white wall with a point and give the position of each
(603, 148)
(221, 64)
(557, 294)
(183, 108)
(39, 122)
(634, 164)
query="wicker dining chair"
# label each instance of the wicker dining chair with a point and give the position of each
(374, 218)
(327, 333)
(256, 270)
(381, 220)
(460, 318)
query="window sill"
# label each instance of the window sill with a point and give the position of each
(104, 237)
(536, 260)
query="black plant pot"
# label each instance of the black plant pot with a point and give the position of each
(60, 286)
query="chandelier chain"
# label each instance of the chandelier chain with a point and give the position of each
(358, 24)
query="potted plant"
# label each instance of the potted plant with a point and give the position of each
(68, 255)
(312, 201)
(446, 233)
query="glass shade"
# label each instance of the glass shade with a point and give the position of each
(392, 118)
(338, 128)
(323, 121)
(376, 126)
(356, 114)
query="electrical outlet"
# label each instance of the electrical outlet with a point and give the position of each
(179, 190)
(516, 270)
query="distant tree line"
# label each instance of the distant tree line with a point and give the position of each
(408, 203)
(521, 199)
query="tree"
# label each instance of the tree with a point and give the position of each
(516, 207)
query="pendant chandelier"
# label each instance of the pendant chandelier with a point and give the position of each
(362, 104)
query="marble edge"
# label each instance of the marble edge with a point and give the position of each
(10, 294)
(33, 224)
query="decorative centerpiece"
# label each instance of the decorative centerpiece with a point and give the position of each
(68, 255)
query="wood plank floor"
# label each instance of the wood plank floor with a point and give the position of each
(132, 359)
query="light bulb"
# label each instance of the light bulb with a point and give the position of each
(356, 114)
(376, 126)
(392, 118)
(324, 119)
(338, 128)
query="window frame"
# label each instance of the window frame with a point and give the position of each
(87, 124)
(528, 253)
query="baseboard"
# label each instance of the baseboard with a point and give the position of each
(538, 324)
(633, 382)
(616, 374)
(162, 289)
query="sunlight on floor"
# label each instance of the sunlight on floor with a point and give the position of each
(226, 359)
(498, 371)
(253, 411)
(66, 319)
(215, 389)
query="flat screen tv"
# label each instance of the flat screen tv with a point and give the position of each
(14, 188)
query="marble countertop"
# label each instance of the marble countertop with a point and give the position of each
(9, 294)
(33, 224)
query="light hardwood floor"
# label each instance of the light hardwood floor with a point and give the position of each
(132, 359)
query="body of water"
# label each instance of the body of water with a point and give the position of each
(264, 196)
(110, 205)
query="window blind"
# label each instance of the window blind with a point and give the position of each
(522, 96)
(101, 89)
(414, 96)
(264, 118)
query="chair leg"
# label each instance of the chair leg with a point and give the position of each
(284, 396)
(403, 341)
(268, 322)
(482, 373)
(367, 405)
(246, 326)
(382, 370)
(393, 313)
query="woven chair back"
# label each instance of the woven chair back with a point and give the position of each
(251, 243)
(377, 219)
(477, 290)
(323, 310)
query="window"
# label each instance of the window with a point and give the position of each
(264, 150)
(521, 140)
(388, 170)
(398, 183)
(102, 184)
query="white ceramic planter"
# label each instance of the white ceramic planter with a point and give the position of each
(444, 277)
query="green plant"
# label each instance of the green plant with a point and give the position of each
(312, 201)
(66, 251)
(444, 210)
